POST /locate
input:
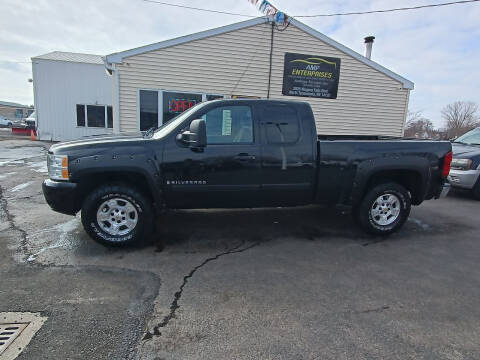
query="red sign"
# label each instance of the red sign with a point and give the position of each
(177, 106)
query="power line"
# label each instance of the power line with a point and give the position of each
(319, 15)
(392, 10)
(198, 9)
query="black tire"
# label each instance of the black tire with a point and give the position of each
(371, 224)
(138, 235)
(476, 190)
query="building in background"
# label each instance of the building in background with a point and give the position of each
(13, 111)
(73, 96)
(349, 93)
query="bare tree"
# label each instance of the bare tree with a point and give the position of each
(418, 126)
(460, 117)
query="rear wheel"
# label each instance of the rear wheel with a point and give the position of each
(384, 209)
(117, 215)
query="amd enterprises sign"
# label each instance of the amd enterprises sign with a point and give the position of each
(311, 76)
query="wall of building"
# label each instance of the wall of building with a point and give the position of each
(11, 112)
(237, 63)
(58, 87)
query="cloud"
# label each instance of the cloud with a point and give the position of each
(437, 49)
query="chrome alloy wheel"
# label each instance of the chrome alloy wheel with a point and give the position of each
(385, 210)
(117, 216)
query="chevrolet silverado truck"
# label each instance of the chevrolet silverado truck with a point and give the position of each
(240, 153)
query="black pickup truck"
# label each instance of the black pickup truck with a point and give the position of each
(240, 153)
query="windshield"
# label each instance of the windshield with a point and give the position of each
(167, 127)
(470, 138)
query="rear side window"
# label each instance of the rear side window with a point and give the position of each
(282, 125)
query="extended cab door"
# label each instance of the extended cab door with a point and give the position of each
(288, 154)
(226, 173)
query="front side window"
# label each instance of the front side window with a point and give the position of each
(281, 124)
(229, 125)
(148, 109)
(95, 116)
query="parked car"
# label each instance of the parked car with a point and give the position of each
(465, 171)
(240, 153)
(4, 122)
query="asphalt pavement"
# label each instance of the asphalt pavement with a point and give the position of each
(300, 283)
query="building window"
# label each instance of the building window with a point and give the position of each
(213, 97)
(95, 116)
(158, 106)
(175, 103)
(229, 125)
(18, 113)
(80, 115)
(109, 117)
(148, 109)
(281, 124)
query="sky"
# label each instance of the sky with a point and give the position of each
(436, 48)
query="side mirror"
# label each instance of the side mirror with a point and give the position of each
(196, 136)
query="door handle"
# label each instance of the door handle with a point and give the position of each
(244, 157)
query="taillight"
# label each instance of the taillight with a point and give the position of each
(447, 160)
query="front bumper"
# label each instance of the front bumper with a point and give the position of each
(465, 179)
(61, 196)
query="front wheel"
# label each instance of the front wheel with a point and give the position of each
(117, 215)
(384, 209)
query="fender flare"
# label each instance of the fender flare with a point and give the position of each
(368, 169)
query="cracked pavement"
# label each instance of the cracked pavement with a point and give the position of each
(299, 283)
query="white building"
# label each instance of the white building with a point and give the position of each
(73, 96)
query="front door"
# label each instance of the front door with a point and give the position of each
(226, 173)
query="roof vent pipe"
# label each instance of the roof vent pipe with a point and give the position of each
(368, 46)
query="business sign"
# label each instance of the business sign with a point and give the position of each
(177, 106)
(311, 76)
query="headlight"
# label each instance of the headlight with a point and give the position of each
(461, 164)
(57, 167)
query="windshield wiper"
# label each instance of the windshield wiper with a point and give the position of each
(149, 132)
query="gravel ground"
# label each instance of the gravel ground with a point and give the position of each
(300, 283)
